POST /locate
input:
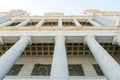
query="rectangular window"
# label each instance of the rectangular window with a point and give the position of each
(15, 69)
(41, 70)
(76, 70)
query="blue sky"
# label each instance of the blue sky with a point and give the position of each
(67, 6)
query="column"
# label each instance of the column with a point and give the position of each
(116, 40)
(41, 22)
(89, 69)
(59, 22)
(26, 69)
(105, 20)
(108, 65)
(59, 69)
(8, 59)
(117, 23)
(3, 19)
(93, 22)
(7, 23)
(75, 21)
(23, 23)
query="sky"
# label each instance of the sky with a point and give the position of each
(69, 7)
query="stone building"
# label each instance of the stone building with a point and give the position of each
(60, 47)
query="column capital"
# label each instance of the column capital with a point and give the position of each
(28, 37)
(86, 37)
(115, 38)
(59, 36)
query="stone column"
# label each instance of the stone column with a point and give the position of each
(116, 40)
(3, 19)
(41, 22)
(8, 59)
(93, 22)
(59, 70)
(105, 20)
(7, 23)
(26, 69)
(117, 23)
(75, 21)
(59, 22)
(23, 23)
(108, 65)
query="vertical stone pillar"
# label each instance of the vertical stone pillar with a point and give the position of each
(8, 59)
(59, 70)
(23, 23)
(117, 23)
(108, 65)
(93, 22)
(3, 19)
(116, 40)
(41, 22)
(75, 21)
(105, 20)
(59, 22)
(7, 23)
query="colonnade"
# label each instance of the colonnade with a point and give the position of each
(59, 69)
(42, 21)
(99, 21)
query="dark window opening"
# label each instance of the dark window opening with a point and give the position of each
(15, 69)
(41, 70)
(76, 70)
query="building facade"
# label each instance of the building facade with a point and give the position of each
(60, 47)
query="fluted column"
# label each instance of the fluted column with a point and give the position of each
(93, 22)
(41, 22)
(59, 70)
(75, 21)
(108, 65)
(59, 22)
(7, 23)
(23, 23)
(8, 59)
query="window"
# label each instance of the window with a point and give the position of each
(41, 70)
(15, 69)
(76, 70)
